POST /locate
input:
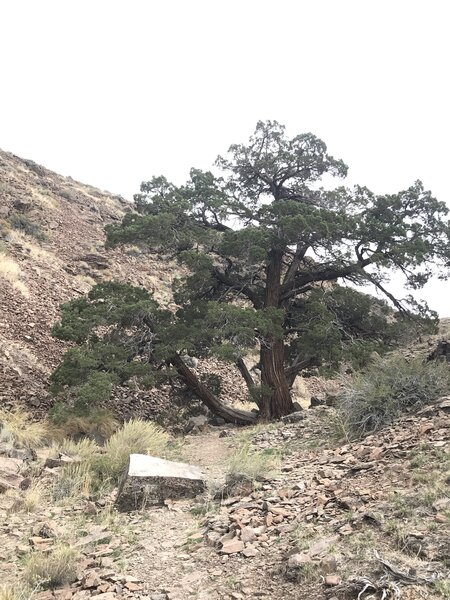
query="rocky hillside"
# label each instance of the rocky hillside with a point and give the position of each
(290, 512)
(52, 250)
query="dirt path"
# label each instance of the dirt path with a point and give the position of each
(165, 559)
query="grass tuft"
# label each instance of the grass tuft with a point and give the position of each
(9, 592)
(17, 427)
(53, 569)
(135, 437)
(31, 499)
(74, 482)
(246, 464)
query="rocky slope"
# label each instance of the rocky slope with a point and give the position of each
(368, 519)
(52, 250)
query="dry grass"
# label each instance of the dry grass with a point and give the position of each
(84, 449)
(18, 428)
(15, 592)
(10, 271)
(74, 482)
(247, 405)
(135, 437)
(246, 464)
(44, 199)
(31, 499)
(53, 569)
(21, 356)
(37, 253)
(98, 423)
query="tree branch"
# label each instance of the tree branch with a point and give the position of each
(239, 287)
(231, 415)
(293, 267)
(328, 274)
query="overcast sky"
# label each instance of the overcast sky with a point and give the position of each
(113, 92)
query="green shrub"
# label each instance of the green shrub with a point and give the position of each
(387, 389)
(135, 437)
(25, 224)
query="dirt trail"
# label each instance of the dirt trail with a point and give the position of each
(164, 560)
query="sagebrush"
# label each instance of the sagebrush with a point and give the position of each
(391, 386)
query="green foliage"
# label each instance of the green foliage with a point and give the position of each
(387, 389)
(25, 224)
(262, 247)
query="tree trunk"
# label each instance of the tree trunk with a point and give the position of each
(276, 395)
(230, 415)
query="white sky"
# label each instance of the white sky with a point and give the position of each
(112, 92)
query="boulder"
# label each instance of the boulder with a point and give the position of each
(149, 480)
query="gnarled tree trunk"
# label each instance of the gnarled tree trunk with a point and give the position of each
(276, 395)
(230, 415)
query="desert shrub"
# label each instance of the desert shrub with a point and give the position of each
(246, 464)
(25, 224)
(69, 422)
(135, 437)
(10, 270)
(17, 427)
(388, 388)
(53, 569)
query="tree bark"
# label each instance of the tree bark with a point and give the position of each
(276, 395)
(230, 415)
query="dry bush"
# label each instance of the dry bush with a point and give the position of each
(386, 390)
(135, 437)
(52, 569)
(17, 427)
(98, 423)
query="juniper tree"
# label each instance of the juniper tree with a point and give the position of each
(268, 254)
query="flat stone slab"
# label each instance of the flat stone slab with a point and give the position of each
(149, 480)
